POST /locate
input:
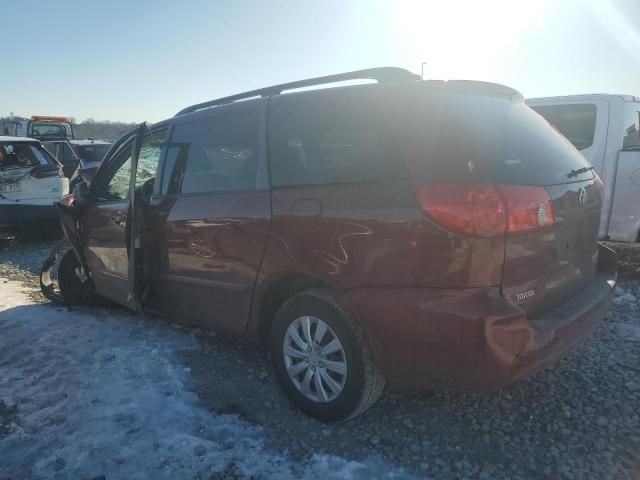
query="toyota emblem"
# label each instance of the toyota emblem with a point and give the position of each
(582, 197)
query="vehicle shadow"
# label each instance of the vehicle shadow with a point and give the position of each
(566, 417)
(580, 416)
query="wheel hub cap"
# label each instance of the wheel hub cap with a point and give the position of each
(315, 359)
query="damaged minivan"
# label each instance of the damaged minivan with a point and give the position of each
(430, 233)
(31, 182)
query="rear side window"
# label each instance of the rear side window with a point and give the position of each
(476, 138)
(215, 153)
(330, 138)
(577, 122)
(631, 131)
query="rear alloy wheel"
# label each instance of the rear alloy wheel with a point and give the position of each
(321, 358)
(315, 359)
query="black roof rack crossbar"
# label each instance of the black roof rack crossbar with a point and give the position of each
(381, 75)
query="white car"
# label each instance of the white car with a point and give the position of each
(31, 181)
(606, 129)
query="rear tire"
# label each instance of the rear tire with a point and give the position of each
(333, 376)
(74, 291)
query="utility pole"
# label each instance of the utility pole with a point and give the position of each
(422, 69)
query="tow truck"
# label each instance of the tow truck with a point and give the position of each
(40, 127)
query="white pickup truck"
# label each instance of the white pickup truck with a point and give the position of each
(606, 129)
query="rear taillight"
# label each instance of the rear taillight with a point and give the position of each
(487, 210)
(471, 209)
(528, 208)
(67, 201)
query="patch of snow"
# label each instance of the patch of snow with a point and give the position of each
(102, 393)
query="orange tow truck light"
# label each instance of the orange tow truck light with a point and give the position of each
(51, 118)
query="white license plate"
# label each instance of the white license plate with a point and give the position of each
(10, 187)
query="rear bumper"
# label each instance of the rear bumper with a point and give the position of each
(13, 216)
(474, 340)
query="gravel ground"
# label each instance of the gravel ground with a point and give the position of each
(628, 258)
(21, 259)
(578, 420)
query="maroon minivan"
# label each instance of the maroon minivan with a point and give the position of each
(404, 231)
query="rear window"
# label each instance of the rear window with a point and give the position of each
(488, 139)
(329, 137)
(20, 155)
(577, 122)
(631, 127)
(91, 153)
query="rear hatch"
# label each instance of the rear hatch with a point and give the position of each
(544, 267)
(29, 174)
(492, 167)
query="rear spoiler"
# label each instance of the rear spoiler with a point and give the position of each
(479, 88)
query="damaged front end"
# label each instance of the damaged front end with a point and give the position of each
(65, 276)
(66, 257)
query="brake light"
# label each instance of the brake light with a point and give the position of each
(67, 201)
(528, 208)
(471, 209)
(487, 210)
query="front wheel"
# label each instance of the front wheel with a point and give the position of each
(322, 359)
(75, 286)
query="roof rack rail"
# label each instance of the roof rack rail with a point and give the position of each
(381, 75)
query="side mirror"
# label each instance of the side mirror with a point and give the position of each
(81, 193)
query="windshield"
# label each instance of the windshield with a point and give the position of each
(91, 153)
(49, 130)
(21, 154)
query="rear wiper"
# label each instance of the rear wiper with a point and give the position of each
(575, 173)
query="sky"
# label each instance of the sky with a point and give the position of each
(132, 61)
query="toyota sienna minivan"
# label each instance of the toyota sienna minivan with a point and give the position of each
(399, 232)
